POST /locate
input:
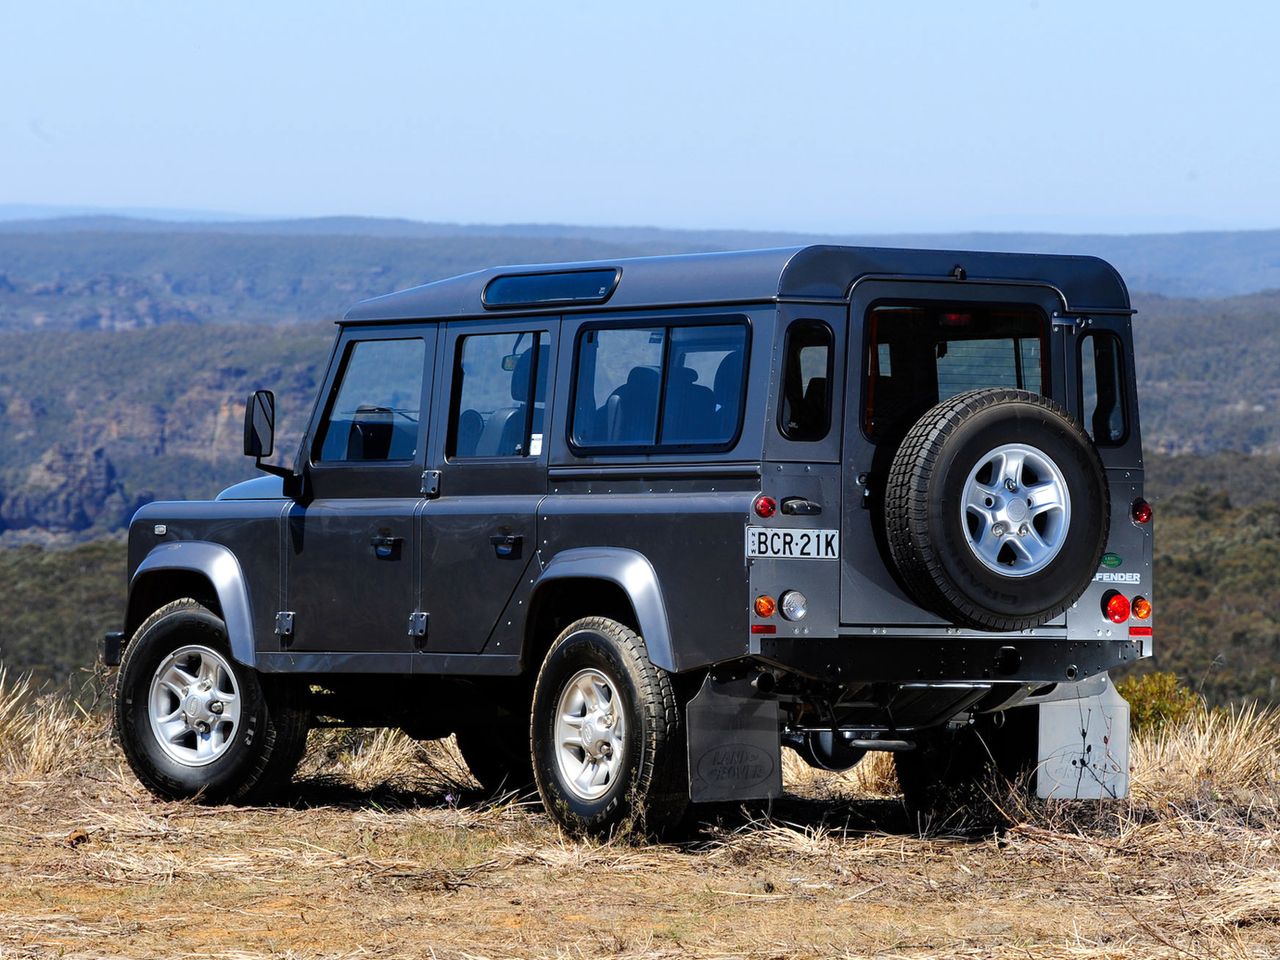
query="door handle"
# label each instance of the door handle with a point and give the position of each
(507, 546)
(386, 548)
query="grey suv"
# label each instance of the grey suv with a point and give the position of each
(628, 528)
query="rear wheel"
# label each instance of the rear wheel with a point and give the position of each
(608, 735)
(194, 722)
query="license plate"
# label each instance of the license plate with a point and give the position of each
(774, 543)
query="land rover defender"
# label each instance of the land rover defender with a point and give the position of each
(627, 528)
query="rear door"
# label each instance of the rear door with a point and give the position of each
(478, 530)
(349, 551)
(911, 345)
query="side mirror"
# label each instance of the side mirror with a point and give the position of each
(260, 424)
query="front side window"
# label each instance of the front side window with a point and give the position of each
(918, 356)
(805, 410)
(659, 386)
(500, 389)
(1102, 388)
(375, 412)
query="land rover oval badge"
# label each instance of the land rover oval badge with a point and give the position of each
(740, 764)
(1111, 560)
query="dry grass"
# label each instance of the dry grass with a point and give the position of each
(389, 851)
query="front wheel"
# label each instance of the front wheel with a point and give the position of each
(195, 723)
(608, 735)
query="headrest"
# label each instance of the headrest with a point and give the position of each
(520, 376)
(729, 374)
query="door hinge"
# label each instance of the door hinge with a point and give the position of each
(284, 626)
(418, 627)
(430, 483)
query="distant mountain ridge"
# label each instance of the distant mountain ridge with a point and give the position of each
(1193, 264)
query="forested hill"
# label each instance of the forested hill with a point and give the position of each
(126, 347)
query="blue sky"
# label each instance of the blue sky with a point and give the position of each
(825, 116)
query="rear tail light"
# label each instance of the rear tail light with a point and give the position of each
(765, 506)
(1141, 608)
(1141, 511)
(765, 606)
(794, 604)
(1115, 607)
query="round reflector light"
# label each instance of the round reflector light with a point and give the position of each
(1141, 608)
(1141, 511)
(794, 605)
(765, 606)
(766, 506)
(1116, 607)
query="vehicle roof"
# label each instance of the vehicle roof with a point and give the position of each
(819, 272)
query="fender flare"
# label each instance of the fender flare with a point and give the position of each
(631, 571)
(220, 567)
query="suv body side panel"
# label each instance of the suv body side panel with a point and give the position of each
(670, 533)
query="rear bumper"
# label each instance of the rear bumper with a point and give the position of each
(1013, 659)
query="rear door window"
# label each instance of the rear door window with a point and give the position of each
(655, 387)
(500, 384)
(920, 355)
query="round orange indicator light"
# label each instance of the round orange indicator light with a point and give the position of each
(765, 606)
(766, 506)
(1116, 607)
(1141, 608)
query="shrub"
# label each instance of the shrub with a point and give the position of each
(1157, 700)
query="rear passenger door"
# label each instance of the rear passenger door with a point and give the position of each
(478, 530)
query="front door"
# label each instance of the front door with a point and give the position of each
(478, 533)
(350, 550)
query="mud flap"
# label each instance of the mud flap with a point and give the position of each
(1084, 747)
(735, 746)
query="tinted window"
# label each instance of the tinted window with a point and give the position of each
(659, 386)
(805, 410)
(375, 413)
(500, 385)
(577, 286)
(1102, 388)
(919, 356)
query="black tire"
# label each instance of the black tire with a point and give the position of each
(498, 753)
(958, 778)
(650, 793)
(925, 525)
(263, 751)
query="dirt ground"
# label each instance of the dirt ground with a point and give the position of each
(385, 852)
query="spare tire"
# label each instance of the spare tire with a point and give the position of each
(997, 510)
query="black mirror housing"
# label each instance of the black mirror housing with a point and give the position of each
(260, 424)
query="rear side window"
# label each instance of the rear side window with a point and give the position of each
(656, 387)
(499, 401)
(375, 412)
(1102, 389)
(920, 355)
(805, 410)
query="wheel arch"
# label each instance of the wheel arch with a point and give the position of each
(208, 572)
(612, 582)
